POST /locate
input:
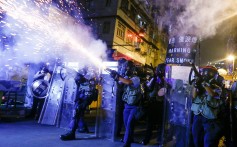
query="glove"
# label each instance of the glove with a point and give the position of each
(114, 74)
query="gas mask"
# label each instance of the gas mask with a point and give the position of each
(127, 69)
(208, 73)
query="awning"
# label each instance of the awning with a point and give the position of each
(117, 55)
(128, 55)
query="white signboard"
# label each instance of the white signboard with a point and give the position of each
(180, 72)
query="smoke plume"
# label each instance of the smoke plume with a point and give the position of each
(40, 32)
(199, 17)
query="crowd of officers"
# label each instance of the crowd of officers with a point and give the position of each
(136, 94)
(141, 95)
(213, 112)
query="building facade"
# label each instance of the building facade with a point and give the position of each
(129, 27)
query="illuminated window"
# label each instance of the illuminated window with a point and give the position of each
(129, 37)
(120, 31)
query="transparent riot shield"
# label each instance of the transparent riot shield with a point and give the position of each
(53, 100)
(67, 102)
(59, 105)
(177, 104)
(107, 112)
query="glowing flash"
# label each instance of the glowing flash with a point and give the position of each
(55, 29)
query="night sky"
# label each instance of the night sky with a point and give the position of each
(214, 48)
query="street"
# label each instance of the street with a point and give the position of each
(28, 133)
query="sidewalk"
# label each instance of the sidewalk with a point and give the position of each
(28, 133)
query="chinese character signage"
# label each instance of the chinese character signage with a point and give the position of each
(181, 50)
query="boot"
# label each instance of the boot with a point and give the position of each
(68, 136)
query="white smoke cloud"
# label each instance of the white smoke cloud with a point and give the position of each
(203, 17)
(43, 36)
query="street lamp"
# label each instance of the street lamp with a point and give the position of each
(231, 66)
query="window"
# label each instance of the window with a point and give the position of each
(133, 13)
(120, 31)
(129, 37)
(106, 27)
(124, 5)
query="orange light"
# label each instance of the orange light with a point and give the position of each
(141, 33)
(130, 35)
(139, 40)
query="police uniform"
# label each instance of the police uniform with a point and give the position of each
(156, 104)
(86, 93)
(131, 97)
(130, 109)
(119, 101)
(154, 111)
(206, 128)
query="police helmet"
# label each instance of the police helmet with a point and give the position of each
(121, 61)
(45, 69)
(83, 71)
(208, 72)
(90, 75)
(149, 73)
(160, 70)
(129, 68)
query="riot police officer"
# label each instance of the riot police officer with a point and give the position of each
(206, 106)
(131, 97)
(155, 103)
(86, 93)
(39, 78)
(119, 101)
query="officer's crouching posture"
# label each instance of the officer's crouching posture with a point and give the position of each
(86, 93)
(131, 97)
(206, 106)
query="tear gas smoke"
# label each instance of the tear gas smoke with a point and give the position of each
(41, 32)
(198, 17)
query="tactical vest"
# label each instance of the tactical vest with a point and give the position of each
(132, 95)
(85, 90)
(207, 106)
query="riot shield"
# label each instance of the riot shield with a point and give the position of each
(105, 125)
(177, 113)
(53, 101)
(67, 103)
